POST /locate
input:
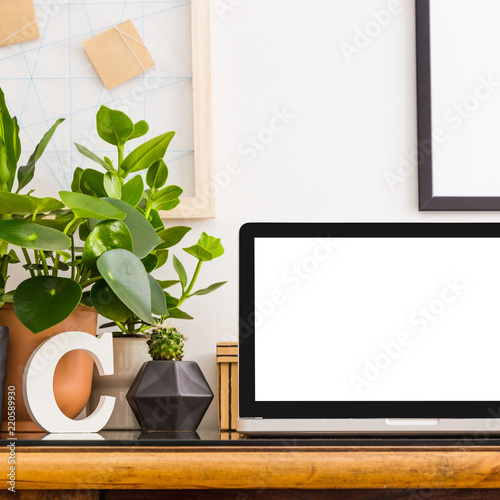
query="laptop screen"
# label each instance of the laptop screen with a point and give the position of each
(373, 313)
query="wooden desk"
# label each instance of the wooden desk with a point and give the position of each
(257, 471)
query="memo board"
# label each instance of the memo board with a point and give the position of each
(52, 77)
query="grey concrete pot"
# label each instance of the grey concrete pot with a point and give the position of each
(169, 396)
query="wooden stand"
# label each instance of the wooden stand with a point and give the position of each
(227, 385)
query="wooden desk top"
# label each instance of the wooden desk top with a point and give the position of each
(254, 467)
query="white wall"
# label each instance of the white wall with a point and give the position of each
(354, 122)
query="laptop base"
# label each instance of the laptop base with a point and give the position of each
(339, 427)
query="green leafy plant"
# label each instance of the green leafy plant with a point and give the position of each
(165, 343)
(117, 217)
(125, 252)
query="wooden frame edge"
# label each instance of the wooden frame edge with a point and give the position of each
(202, 205)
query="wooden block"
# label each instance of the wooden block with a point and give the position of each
(227, 387)
(118, 54)
(17, 21)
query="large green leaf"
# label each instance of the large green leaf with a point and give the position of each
(112, 185)
(11, 203)
(199, 252)
(140, 128)
(75, 183)
(207, 248)
(44, 301)
(212, 244)
(181, 272)
(5, 174)
(133, 191)
(178, 314)
(143, 234)
(92, 183)
(210, 288)
(158, 302)
(25, 174)
(157, 175)
(85, 206)
(161, 258)
(150, 262)
(155, 219)
(126, 276)
(170, 193)
(147, 153)
(170, 205)
(107, 235)
(27, 234)
(168, 283)
(91, 156)
(172, 235)
(107, 304)
(47, 204)
(113, 126)
(10, 147)
(59, 222)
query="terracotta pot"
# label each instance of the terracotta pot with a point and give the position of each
(73, 375)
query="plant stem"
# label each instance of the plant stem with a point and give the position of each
(56, 265)
(121, 327)
(44, 263)
(90, 281)
(120, 159)
(185, 295)
(37, 262)
(67, 228)
(28, 261)
(73, 270)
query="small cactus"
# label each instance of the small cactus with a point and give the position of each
(166, 343)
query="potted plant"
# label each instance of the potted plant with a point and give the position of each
(169, 395)
(24, 224)
(119, 183)
(110, 274)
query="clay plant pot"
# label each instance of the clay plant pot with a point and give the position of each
(73, 375)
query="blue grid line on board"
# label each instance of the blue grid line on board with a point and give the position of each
(103, 97)
(102, 28)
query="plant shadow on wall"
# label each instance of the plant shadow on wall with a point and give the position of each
(115, 213)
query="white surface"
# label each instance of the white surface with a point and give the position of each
(355, 127)
(38, 382)
(349, 310)
(465, 41)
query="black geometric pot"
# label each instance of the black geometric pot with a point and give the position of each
(4, 342)
(169, 396)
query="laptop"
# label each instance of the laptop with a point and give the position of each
(367, 328)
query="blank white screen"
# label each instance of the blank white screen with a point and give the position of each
(377, 319)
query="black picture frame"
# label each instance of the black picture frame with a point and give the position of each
(250, 407)
(427, 200)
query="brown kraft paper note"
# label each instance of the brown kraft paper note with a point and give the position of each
(118, 54)
(17, 21)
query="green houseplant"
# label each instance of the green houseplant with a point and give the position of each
(146, 195)
(139, 243)
(116, 218)
(25, 224)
